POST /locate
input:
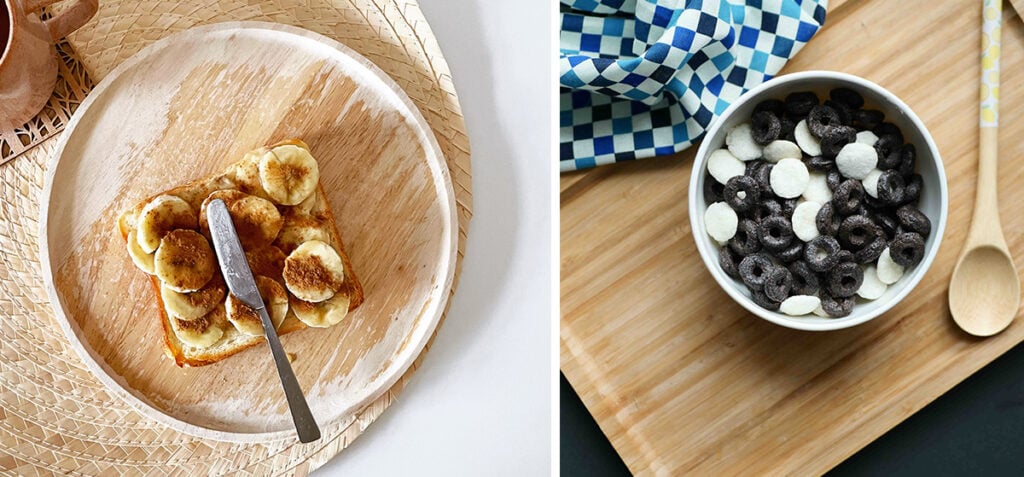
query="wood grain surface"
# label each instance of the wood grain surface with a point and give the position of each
(187, 108)
(682, 380)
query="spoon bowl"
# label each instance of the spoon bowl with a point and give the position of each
(984, 293)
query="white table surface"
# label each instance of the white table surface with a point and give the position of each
(481, 402)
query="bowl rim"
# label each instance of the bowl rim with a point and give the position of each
(703, 243)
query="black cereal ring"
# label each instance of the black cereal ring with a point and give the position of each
(775, 233)
(788, 206)
(820, 163)
(914, 220)
(844, 256)
(844, 112)
(777, 284)
(760, 299)
(885, 129)
(890, 187)
(886, 145)
(763, 177)
(754, 270)
(848, 196)
(763, 209)
(845, 279)
(712, 190)
(822, 119)
(873, 204)
(908, 160)
(835, 138)
(805, 281)
(870, 252)
(729, 261)
(856, 231)
(772, 206)
(788, 126)
(774, 106)
(745, 241)
(866, 119)
(887, 223)
(912, 189)
(833, 178)
(837, 307)
(751, 167)
(765, 127)
(821, 253)
(741, 193)
(800, 103)
(907, 249)
(890, 161)
(792, 253)
(848, 97)
(828, 220)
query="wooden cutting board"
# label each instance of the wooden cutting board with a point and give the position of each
(682, 380)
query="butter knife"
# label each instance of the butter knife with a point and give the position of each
(238, 276)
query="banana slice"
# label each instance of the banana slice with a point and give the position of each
(300, 227)
(198, 192)
(184, 262)
(140, 258)
(314, 272)
(267, 261)
(323, 314)
(229, 196)
(201, 332)
(309, 204)
(256, 220)
(246, 320)
(189, 306)
(247, 173)
(289, 174)
(160, 216)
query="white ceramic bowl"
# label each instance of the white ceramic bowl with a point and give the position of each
(933, 200)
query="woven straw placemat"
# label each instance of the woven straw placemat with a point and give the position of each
(55, 417)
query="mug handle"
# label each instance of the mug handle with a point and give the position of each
(67, 21)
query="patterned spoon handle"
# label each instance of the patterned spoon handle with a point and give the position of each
(992, 13)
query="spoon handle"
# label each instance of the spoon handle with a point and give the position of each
(985, 226)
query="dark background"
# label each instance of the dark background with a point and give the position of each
(975, 429)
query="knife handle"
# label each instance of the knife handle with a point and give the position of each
(305, 425)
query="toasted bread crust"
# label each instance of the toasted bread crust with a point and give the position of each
(172, 346)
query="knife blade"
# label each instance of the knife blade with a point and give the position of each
(238, 275)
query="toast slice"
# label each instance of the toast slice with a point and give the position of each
(290, 237)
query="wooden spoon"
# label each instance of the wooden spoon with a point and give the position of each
(984, 293)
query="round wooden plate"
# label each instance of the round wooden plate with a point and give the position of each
(184, 108)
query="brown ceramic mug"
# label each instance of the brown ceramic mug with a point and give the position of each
(28, 59)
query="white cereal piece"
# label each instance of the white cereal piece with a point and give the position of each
(889, 272)
(806, 140)
(856, 160)
(805, 225)
(820, 312)
(817, 188)
(798, 305)
(870, 182)
(722, 165)
(741, 143)
(872, 287)
(867, 137)
(789, 178)
(720, 221)
(781, 149)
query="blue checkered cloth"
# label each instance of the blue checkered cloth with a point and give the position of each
(643, 78)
